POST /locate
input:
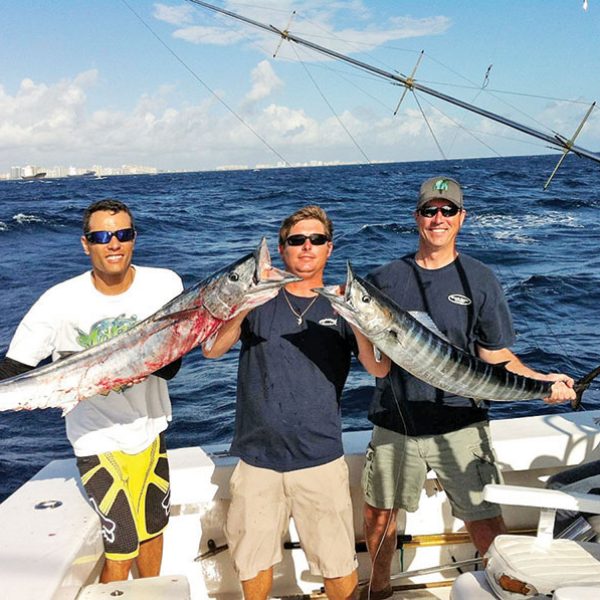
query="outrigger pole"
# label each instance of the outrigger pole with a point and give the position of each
(555, 140)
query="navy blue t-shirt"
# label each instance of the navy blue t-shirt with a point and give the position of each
(290, 380)
(465, 301)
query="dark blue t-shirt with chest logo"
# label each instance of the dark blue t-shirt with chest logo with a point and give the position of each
(290, 381)
(466, 302)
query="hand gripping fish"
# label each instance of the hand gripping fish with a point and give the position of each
(188, 320)
(414, 343)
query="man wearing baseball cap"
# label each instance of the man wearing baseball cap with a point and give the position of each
(418, 427)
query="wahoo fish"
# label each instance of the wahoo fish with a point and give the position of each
(192, 318)
(413, 342)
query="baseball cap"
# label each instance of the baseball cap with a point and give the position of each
(440, 188)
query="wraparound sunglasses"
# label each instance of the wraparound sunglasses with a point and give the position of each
(103, 237)
(298, 239)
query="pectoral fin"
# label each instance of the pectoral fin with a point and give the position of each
(426, 321)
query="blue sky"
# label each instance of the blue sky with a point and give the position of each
(84, 83)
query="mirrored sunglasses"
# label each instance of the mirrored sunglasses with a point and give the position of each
(103, 237)
(430, 211)
(298, 239)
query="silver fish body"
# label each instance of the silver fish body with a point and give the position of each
(425, 353)
(192, 318)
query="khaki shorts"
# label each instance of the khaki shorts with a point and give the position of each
(463, 461)
(130, 493)
(262, 502)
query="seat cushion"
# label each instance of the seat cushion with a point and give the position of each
(528, 567)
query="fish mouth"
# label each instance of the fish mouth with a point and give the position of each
(266, 276)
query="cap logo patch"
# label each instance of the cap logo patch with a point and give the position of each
(441, 185)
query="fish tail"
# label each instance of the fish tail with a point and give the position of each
(582, 385)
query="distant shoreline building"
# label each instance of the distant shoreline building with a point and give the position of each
(57, 172)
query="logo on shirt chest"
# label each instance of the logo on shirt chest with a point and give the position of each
(459, 299)
(105, 329)
(328, 322)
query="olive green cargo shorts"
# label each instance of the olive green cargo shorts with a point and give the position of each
(463, 461)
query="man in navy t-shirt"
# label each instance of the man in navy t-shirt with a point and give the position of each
(293, 364)
(419, 427)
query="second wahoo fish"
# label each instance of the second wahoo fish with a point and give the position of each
(413, 342)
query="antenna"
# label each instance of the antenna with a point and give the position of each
(568, 145)
(409, 82)
(486, 77)
(284, 34)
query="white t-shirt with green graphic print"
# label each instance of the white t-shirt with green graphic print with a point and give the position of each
(74, 315)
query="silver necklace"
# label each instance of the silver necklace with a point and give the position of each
(299, 316)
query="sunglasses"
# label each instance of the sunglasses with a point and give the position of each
(298, 239)
(430, 211)
(103, 237)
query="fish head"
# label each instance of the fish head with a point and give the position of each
(357, 302)
(245, 284)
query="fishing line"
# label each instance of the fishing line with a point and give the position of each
(361, 74)
(205, 85)
(460, 126)
(338, 73)
(396, 484)
(429, 126)
(330, 106)
(357, 74)
(485, 84)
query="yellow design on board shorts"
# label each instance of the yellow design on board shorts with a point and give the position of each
(130, 493)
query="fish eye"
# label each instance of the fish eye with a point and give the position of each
(366, 299)
(233, 276)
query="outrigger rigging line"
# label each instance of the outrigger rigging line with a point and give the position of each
(556, 140)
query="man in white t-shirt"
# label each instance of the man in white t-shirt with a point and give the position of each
(117, 438)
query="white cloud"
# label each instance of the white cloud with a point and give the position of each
(52, 124)
(199, 34)
(39, 113)
(264, 82)
(175, 15)
(313, 19)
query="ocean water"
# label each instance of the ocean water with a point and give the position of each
(544, 247)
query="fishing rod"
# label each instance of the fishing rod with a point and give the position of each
(556, 140)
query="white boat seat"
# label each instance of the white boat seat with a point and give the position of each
(167, 587)
(528, 567)
(537, 567)
(474, 586)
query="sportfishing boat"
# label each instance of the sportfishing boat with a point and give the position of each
(52, 539)
(39, 175)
